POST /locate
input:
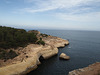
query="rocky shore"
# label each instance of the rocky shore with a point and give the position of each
(28, 59)
(93, 69)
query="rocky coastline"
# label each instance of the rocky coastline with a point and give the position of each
(93, 69)
(28, 59)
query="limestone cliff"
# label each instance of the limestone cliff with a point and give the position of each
(29, 56)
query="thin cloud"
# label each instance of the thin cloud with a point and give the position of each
(71, 10)
(49, 5)
(87, 17)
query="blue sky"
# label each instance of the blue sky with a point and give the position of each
(51, 14)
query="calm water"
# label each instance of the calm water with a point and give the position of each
(84, 50)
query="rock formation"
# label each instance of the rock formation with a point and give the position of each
(34, 31)
(93, 69)
(64, 56)
(28, 59)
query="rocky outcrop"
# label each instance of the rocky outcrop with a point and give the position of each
(48, 52)
(34, 31)
(28, 59)
(64, 56)
(93, 69)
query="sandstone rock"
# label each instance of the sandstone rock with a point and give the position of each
(93, 69)
(64, 56)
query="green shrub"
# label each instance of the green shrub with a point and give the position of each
(7, 55)
(11, 54)
(44, 35)
(41, 42)
(40, 38)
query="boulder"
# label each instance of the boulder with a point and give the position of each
(64, 56)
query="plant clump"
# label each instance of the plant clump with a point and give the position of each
(7, 54)
(41, 42)
(44, 35)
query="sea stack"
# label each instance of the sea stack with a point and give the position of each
(64, 56)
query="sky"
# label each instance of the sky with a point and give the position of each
(51, 14)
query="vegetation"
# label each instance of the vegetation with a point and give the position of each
(41, 42)
(7, 55)
(44, 35)
(13, 38)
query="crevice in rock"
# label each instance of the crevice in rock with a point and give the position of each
(41, 58)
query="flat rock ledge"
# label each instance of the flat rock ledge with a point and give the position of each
(64, 56)
(93, 69)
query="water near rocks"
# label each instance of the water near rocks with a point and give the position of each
(84, 49)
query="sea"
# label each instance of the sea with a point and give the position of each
(84, 49)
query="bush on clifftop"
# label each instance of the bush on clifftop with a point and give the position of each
(41, 42)
(7, 55)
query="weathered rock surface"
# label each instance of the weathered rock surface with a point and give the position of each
(93, 69)
(64, 56)
(29, 56)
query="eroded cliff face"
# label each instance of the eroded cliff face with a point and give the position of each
(93, 69)
(28, 59)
